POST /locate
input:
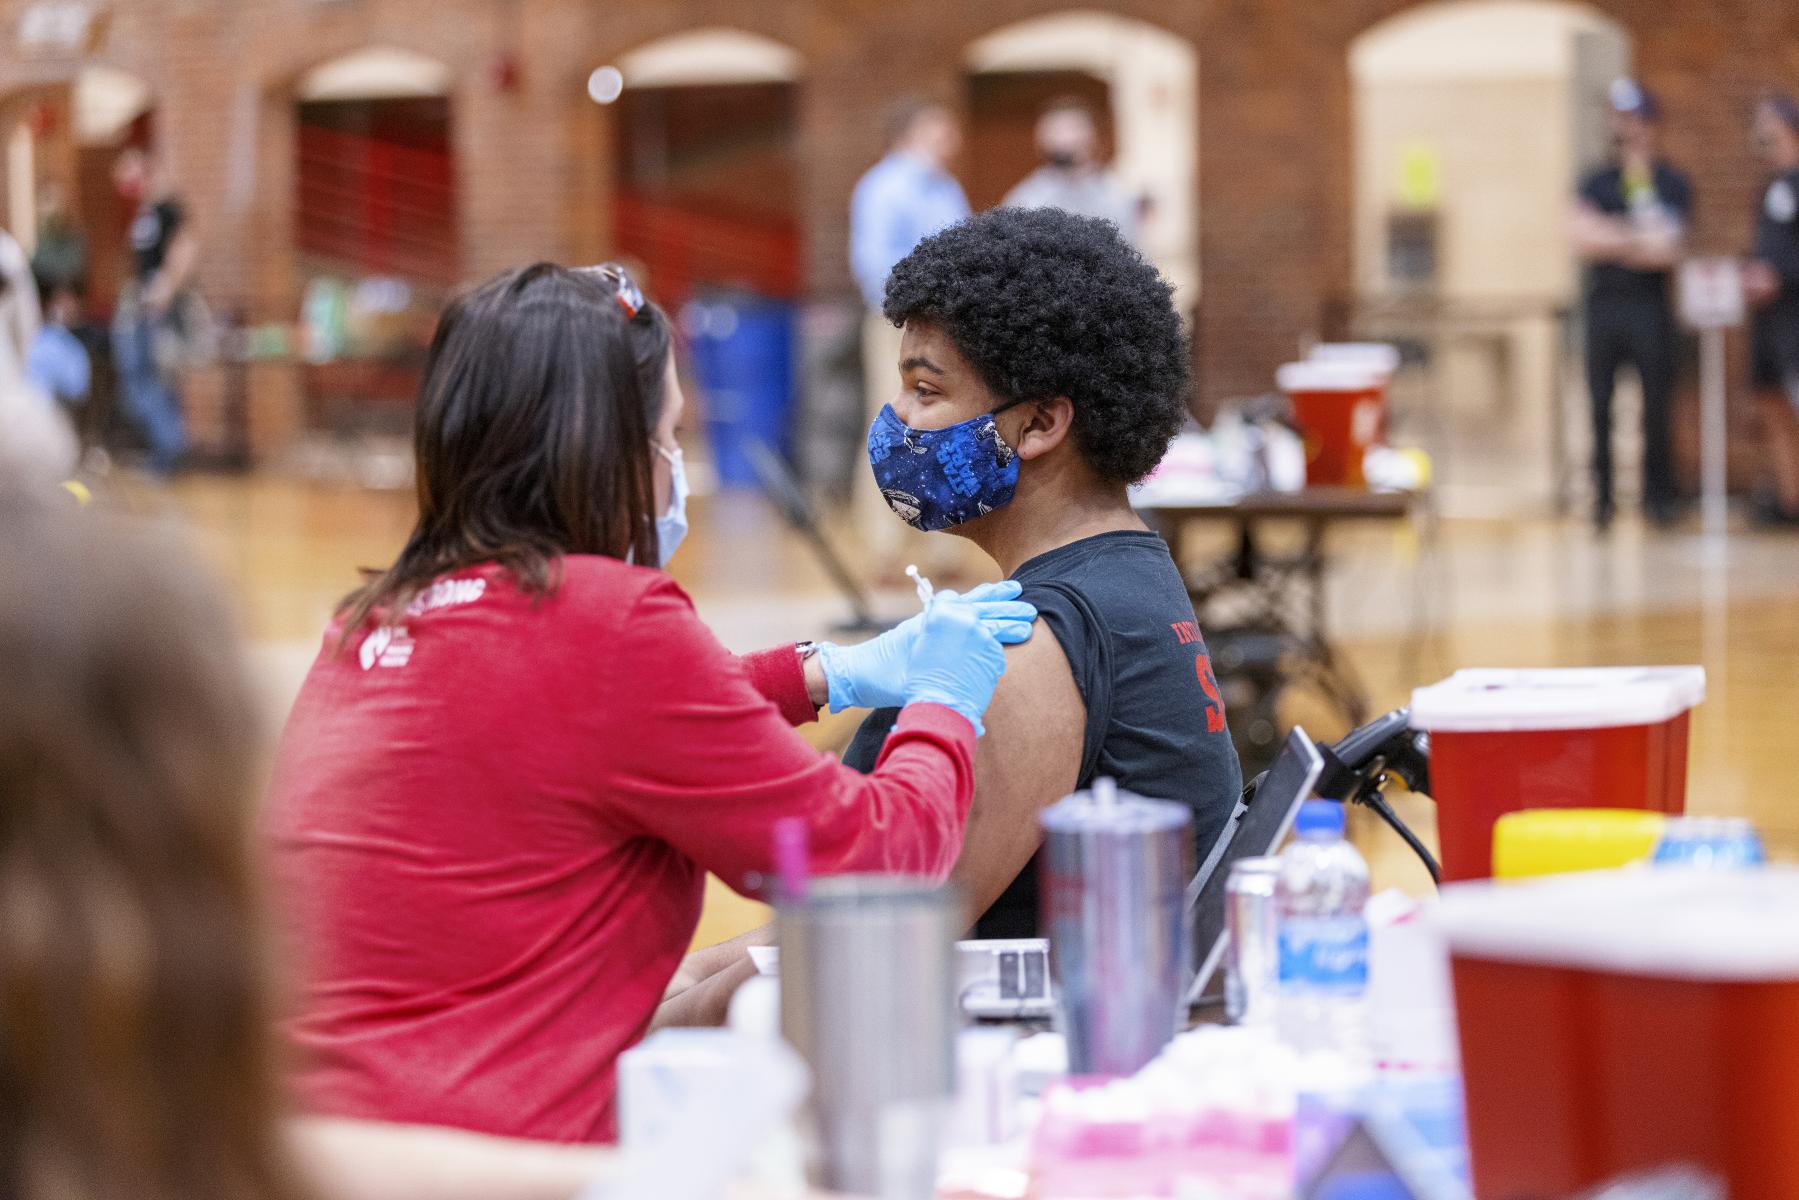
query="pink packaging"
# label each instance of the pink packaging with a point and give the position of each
(1109, 1140)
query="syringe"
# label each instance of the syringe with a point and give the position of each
(925, 590)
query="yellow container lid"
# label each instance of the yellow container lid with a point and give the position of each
(1556, 841)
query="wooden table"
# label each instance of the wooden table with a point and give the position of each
(1265, 615)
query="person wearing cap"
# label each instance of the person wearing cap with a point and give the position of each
(1772, 283)
(1072, 178)
(1629, 228)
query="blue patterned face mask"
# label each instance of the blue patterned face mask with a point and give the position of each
(936, 478)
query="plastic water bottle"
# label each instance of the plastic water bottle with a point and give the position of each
(1709, 843)
(1323, 938)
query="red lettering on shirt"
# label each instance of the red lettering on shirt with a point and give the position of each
(1214, 701)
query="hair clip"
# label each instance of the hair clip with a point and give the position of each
(628, 294)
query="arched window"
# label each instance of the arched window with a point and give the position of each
(708, 173)
(376, 177)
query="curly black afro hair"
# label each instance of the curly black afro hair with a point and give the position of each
(1044, 303)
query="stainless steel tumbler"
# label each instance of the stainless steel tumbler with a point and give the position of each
(868, 999)
(1114, 877)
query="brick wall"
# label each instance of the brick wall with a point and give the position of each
(1274, 120)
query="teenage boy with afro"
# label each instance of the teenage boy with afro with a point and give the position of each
(1042, 371)
(1042, 341)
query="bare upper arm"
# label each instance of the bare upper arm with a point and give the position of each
(1029, 759)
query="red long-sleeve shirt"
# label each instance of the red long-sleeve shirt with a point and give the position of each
(491, 829)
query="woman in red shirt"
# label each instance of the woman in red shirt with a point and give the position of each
(518, 754)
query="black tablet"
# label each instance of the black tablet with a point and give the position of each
(1257, 827)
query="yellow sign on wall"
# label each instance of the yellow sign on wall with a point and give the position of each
(1420, 176)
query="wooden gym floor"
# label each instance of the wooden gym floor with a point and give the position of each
(1407, 610)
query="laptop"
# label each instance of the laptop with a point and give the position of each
(1257, 827)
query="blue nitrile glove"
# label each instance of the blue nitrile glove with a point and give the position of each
(872, 674)
(956, 661)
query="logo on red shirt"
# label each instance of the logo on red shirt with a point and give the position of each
(387, 646)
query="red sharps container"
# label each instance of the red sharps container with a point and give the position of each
(1506, 740)
(1639, 1023)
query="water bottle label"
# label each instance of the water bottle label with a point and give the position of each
(1324, 954)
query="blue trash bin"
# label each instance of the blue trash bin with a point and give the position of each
(743, 349)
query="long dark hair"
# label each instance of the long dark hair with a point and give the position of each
(533, 433)
(136, 1056)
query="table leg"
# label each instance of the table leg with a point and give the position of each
(1336, 676)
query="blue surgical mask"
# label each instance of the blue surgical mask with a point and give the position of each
(671, 526)
(936, 478)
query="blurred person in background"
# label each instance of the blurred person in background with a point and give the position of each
(57, 363)
(907, 196)
(59, 259)
(1772, 281)
(136, 1035)
(19, 311)
(1072, 177)
(519, 751)
(156, 311)
(1629, 228)
(35, 439)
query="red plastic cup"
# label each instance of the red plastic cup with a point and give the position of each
(1340, 408)
(1629, 1022)
(1505, 741)
(1382, 358)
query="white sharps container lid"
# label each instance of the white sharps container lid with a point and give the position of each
(1505, 701)
(1669, 923)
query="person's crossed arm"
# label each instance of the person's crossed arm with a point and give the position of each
(1598, 237)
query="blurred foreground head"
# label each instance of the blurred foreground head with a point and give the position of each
(134, 1059)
